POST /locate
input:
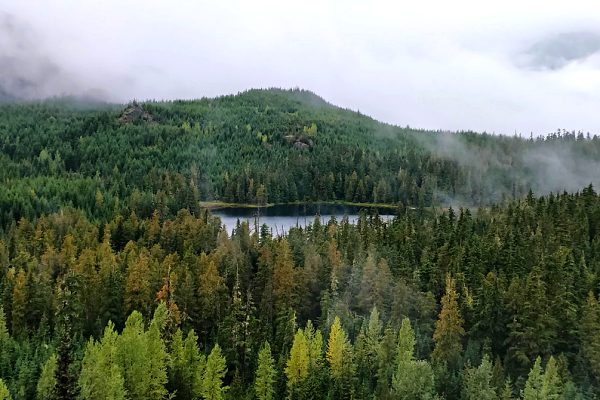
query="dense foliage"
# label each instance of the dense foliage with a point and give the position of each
(116, 284)
(498, 304)
(261, 146)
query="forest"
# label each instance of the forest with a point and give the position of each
(116, 282)
(262, 147)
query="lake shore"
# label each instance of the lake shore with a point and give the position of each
(216, 205)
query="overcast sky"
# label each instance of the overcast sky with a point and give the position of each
(524, 66)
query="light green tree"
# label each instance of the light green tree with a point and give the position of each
(544, 385)
(296, 369)
(4, 393)
(265, 374)
(142, 356)
(100, 377)
(212, 382)
(186, 365)
(47, 380)
(412, 379)
(477, 382)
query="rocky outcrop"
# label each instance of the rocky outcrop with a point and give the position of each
(134, 113)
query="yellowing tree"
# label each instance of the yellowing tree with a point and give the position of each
(336, 346)
(297, 365)
(448, 328)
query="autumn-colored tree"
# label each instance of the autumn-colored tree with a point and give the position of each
(138, 294)
(283, 276)
(448, 329)
(297, 366)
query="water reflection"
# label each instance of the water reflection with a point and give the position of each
(281, 218)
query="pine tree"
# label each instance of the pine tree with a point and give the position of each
(535, 382)
(186, 365)
(100, 377)
(6, 346)
(590, 334)
(297, 366)
(47, 382)
(335, 349)
(19, 305)
(4, 393)
(339, 355)
(448, 329)
(212, 382)
(142, 356)
(68, 316)
(552, 387)
(265, 374)
(412, 379)
(477, 382)
(283, 277)
(138, 293)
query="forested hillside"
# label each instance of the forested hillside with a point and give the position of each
(115, 282)
(499, 304)
(261, 146)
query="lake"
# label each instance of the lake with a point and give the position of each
(281, 218)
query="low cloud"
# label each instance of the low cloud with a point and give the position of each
(556, 51)
(516, 68)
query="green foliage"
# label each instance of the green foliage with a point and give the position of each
(4, 393)
(478, 382)
(186, 366)
(101, 377)
(212, 381)
(265, 374)
(47, 383)
(412, 379)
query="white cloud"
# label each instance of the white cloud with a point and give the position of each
(430, 64)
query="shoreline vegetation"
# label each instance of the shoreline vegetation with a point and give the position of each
(218, 205)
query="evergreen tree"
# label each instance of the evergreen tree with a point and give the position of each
(477, 382)
(265, 374)
(4, 393)
(412, 379)
(590, 334)
(186, 365)
(297, 366)
(448, 329)
(100, 377)
(47, 383)
(212, 381)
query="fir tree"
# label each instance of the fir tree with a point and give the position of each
(212, 381)
(265, 374)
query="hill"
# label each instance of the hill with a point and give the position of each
(262, 146)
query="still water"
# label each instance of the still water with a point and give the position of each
(283, 217)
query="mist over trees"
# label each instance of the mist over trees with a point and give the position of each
(262, 146)
(116, 284)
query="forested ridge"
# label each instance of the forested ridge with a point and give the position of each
(261, 146)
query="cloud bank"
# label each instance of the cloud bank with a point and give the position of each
(521, 67)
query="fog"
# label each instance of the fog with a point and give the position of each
(517, 67)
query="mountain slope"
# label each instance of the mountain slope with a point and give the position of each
(261, 146)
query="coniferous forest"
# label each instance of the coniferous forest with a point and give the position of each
(117, 283)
